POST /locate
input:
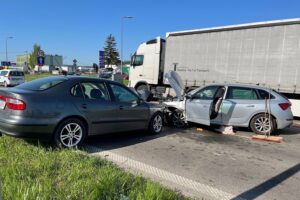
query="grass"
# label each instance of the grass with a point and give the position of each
(30, 171)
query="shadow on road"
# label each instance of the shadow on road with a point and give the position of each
(119, 140)
(269, 184)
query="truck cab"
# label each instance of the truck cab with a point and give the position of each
(147, 64)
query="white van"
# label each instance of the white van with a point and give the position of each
(10, 77)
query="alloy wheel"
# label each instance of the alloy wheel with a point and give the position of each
(262, 124)
(71, 134)
(157, 123)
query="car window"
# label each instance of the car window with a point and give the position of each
(3, 73)
(264, 94)
(206, 93)
(91, 90)
(122, 94)
(16, 73)
(42, 84)
(241, 93)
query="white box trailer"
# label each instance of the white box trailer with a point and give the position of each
(265, 53)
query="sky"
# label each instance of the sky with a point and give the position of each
(78, 28)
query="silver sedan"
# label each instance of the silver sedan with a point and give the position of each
(261, 109)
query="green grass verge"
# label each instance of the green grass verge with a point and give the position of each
(30, 171)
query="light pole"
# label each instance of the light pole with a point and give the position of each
(122, 32)
(6, 46)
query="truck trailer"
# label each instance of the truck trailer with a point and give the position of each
(263, 53)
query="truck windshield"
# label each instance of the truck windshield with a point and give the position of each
(137, 60)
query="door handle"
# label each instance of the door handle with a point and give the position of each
(121, 107)
(250, 106)
(141, 75)
(84, 106)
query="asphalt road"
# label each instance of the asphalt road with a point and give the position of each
(207, 164)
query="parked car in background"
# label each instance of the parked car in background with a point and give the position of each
(231, 105)
(10, 77)
(67, 109)
(106, 73)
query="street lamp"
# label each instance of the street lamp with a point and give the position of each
(6, 46)
(122, 32)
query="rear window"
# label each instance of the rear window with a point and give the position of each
(3, 73)
(42, 84)
(16, 73)
(264, 94)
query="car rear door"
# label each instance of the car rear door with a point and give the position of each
(240, 104)
(93, 100)
(198, 107)
(132, 115)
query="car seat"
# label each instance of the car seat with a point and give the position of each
(96, 94)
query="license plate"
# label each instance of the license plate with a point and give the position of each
(2, 104)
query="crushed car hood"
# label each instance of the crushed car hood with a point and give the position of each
(176, 83)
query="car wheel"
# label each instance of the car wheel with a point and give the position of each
(261, 124)
(5, 84)
(156, 123)
(177, 119)
(70, 133)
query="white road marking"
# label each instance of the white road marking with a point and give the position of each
(196, 187)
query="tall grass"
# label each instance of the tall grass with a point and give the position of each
(30, 171)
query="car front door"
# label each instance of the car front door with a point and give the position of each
(239, 105)
(198, 106)
(93, 100)
(132, 113)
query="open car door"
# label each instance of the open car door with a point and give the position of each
(203, 105)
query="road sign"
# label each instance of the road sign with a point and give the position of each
(40, 61)
(41, 53)
(101, 59)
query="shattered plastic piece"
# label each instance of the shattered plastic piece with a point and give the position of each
(226, 130)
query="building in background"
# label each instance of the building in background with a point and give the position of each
(52, 62)
(22, 59)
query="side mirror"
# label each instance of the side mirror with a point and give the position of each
(140, 101)
(188, 96)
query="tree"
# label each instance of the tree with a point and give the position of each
(111, 54)
(33, 56)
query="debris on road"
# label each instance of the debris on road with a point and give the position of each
(276, 139)
(226, 130)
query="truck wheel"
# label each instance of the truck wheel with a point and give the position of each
(70, 133)
(142, 87)
(5, 84)
(156, 123)
(177, 119)
(260, 124)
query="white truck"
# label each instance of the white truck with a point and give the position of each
(264, 53)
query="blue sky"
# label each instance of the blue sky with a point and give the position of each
(78, 28)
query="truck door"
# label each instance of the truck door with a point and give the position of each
(203, 104)
(136, 71)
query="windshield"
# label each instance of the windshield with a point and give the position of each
(42, 84)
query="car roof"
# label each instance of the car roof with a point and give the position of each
(83, 78)
(239, 85)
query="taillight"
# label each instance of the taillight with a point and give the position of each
(284, 106)
(13, 104)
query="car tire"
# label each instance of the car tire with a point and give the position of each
(156, 123)
(260, 124)
(177, 119)
(70, 133)
(5, 84)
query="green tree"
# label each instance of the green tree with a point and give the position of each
(33, 56)
(111, 54)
